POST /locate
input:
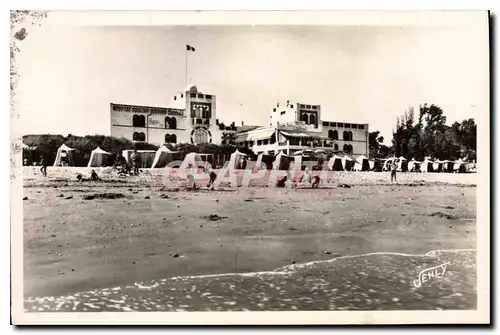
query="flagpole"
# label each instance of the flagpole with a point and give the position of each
(185, 80)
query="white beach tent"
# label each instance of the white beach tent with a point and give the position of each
(387, 164)
(335, 163)
(402, 164)
(347, 162)
(361, 164)
(458, 165)
(235, 159)
(277, 160)
(193, 159)
(413, 165)
(437, 166)
(447, 166)
(426, 165)
(69, 154)
(163, 156)
(98, 157)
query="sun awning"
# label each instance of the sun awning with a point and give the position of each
(253, 136)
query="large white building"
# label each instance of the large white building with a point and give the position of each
(292, 126)
(190, 119)
(297, 126)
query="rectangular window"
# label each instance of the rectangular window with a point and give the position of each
(308, 106)
(208, 97)
(200, 96)
(193, 95)
(361, 126)
(315, 107)
(354, 125)
(340, 124)
(326, 124)
(347, 125)
(333, 124)
(302, 106)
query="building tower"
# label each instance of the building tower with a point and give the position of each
(201, 113)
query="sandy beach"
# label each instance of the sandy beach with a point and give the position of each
(137, 241)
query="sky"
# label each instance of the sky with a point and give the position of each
(68, 75)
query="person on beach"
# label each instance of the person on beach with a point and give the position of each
(43, 163)
(136, 160)
(394, 167)
(212, 176)
(64, 158)
(315, 182)
(94, 176)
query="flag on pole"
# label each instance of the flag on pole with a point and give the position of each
(189, 48)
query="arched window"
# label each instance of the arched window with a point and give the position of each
(170, 138)
(139, 137)
(350, 136)
(335, 135)
(350, 149)
(345, 136)
(336, 146)
(312, 119)
(173, 123)
(330, 134)
(139, 121)
(346, 148)
(170, 123)
(304, 117)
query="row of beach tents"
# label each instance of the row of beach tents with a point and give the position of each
(280, 161)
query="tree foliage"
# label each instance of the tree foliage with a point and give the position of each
(377, 149)
(429, 136)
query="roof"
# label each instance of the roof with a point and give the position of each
(244, 128)
(255, 135)
(100, 151)
(147, 109)
(297, 133)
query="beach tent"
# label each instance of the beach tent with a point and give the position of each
(437, 166)
(347, 163)
(335, 163)
(98, 157)
(376, 164)
(147, 157)
(235, 161)
(297, 162)
(69, 155)
(426, 166)
(414, 165)
(281, 162)
(163, 156)
(361, 164)
(30, 155)
(459, 166)
(387, 164)
(447, 166)
(402, 164)
(194, 160)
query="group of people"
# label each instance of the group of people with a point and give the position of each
(120, 164)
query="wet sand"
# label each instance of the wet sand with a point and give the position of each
(77, 245)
